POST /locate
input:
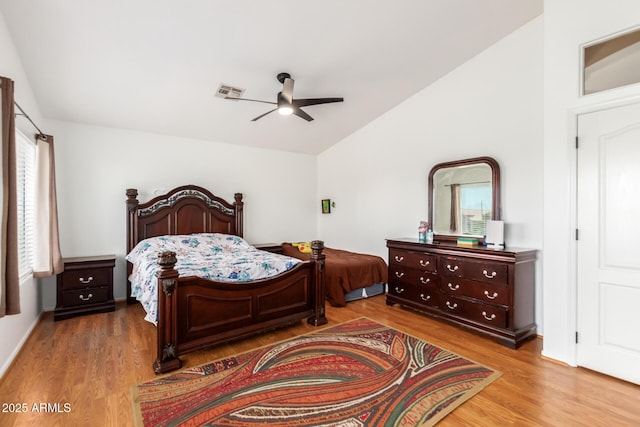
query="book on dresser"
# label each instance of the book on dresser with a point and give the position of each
(489, 291)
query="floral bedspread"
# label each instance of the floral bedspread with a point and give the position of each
(213, 256)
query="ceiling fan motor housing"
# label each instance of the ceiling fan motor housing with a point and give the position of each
(283, 76)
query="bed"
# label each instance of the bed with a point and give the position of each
(194, 313)
(348, 275)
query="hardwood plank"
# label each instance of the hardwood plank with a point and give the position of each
(90, 362)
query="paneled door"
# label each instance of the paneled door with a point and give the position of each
(608, 245)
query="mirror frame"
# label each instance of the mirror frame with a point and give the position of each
(495, 190)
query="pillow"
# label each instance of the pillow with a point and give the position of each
(304, 247)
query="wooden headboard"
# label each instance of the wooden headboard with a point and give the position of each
(183, 210)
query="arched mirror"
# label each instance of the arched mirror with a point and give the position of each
(463, 196)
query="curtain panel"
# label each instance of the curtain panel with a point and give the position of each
(46, 258)
(454, 221)
(9, 275)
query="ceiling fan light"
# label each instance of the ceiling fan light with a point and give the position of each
(285, 110)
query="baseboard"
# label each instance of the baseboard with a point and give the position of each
(12, 358)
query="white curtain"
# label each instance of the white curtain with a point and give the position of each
(46, 258)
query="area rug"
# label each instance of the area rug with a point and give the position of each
(359, 373)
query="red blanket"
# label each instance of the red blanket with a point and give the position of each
(345, 271)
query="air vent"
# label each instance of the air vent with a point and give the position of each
(226, 91)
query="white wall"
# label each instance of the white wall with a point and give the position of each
(568, 25)
(95, 165)
(489, 106)
(15, 329)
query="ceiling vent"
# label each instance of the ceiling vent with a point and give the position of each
(226, 91)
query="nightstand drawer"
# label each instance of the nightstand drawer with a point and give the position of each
(87, 296)
(87, 277)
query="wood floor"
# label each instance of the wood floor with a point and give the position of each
(83, 368)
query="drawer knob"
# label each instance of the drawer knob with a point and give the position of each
(399, 258)
(87, 280)
(453, 288)
(399, 274)
(399, 290)
(489, 276)
(424, 281)
(452, 306)
(486, 294)
(484, 314)
(454, 268)
(425, 298)
(87, 298)
(424, 263)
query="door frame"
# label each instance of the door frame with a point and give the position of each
(590, 104)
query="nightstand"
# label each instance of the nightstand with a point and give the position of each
(85, 286)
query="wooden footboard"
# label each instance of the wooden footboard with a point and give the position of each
(194, 313)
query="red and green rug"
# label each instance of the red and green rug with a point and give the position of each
(359, 373)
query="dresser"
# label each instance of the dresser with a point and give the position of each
(85, 286)
(489, 291)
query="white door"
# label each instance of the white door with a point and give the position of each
(608, 246)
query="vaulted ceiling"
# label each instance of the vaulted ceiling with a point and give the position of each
(155, 65)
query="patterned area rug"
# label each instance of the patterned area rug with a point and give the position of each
(359, 373)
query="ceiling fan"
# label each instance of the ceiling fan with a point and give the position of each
(285, 104)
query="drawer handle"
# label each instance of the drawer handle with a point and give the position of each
(399, 258)
(87, 298)
(425, 298)
(493, 316)
(424, 263)
(452, 269)
(486, 294)
(399, 274)
(399, 290)
(489, 276)
(453, 288)
(424, 281)
(452, 306)
(86, 281)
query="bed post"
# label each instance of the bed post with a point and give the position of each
(167, 323)
(239, 205)
(132, 231)
(317, 276)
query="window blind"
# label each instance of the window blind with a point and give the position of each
(25, 169)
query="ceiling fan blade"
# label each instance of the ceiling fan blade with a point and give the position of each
(315, 101)
(247, 99)
(298, 112)
(262, 115)
(287, 89)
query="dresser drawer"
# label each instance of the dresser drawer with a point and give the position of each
(482, 291)
(487, 314)
(408, 259)
(79, 297)
(421, 294)
(87, 277)
(412, 276)
(485, 271)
